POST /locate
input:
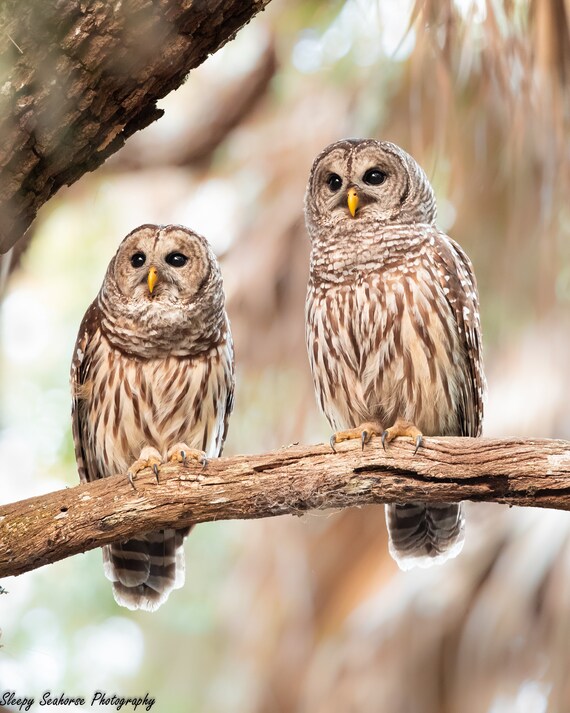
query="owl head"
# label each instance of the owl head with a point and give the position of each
(367, 180)
(161, 265)
(162, 290)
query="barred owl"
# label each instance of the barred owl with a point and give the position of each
(152, 380)
(392, 322)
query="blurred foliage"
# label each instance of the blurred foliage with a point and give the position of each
(311, 614)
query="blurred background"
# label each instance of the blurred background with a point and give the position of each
(311, 614)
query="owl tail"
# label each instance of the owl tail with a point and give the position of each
(421, 535)
(146, 569)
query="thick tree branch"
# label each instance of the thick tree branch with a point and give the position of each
(78, 77)
(292, 480)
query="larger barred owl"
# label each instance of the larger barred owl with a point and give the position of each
(392, 322)
(152, 380)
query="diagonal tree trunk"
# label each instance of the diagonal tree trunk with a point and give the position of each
(78, 77)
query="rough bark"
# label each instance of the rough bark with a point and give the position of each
(78, 77)
(292, 480)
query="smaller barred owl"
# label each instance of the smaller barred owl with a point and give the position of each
(392, 322)
(152, 380)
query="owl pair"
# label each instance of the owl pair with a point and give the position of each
(393, 338)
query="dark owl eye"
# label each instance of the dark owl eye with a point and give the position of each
(138, 259)
(334, 182)
(176, 259)
(374, 177)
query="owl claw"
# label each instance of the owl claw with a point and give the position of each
(362, 433)
(402, 428)
(181, 453)
(149, 458)
(419, 441)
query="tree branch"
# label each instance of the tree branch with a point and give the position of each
(292, 480)
(78, 78)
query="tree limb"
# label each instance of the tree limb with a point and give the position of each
(292, 480)
(78, 77)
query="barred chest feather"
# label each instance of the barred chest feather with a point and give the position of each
(130, 403)
(384, 344)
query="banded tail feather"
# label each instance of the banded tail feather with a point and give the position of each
(421, 535)
(144, 570)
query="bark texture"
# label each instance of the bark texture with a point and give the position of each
(292, 480)
(78, 77)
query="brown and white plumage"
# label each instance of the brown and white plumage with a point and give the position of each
(152, 369)
(392, 319)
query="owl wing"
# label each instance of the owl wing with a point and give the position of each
(229, 378)
(459, 285)
(80, 388)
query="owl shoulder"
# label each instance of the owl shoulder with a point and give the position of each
(90, 326)
(453, 260)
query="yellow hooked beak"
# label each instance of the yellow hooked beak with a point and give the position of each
(352, 200)
(152, 278)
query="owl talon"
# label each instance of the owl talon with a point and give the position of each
(363, 433)
(419, 441)
(402, 428)
(149, 458)
(181, 453)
